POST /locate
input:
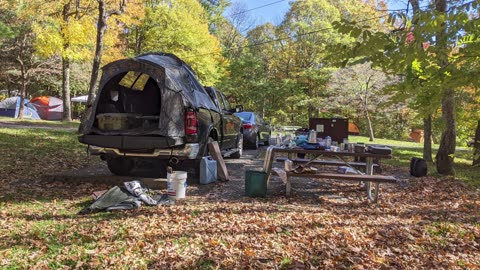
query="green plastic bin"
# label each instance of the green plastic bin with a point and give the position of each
(255, 183)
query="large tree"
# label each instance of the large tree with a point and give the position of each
(66, 29)
(180, 27)
(104, 13)
(360, 86)
(20, 63)
(425, 51)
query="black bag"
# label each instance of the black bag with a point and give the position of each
(379, 149)
(418, 167)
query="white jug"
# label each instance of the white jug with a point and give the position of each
(312, 136)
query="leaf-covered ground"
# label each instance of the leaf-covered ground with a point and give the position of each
(422, 223)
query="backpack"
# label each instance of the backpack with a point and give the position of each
(418, 167)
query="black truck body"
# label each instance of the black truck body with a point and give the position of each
(153, 107)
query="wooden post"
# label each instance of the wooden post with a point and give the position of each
(214, 150)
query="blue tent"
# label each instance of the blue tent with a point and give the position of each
(10, 107)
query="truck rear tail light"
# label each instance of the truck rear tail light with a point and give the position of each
(247, 126)
(191, 123)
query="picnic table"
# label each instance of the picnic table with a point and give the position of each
(328, 158)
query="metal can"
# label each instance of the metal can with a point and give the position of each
(288, 165)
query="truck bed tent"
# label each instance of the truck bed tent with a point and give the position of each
(48, 107)
(10, 107)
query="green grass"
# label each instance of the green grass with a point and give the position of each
(403, 151)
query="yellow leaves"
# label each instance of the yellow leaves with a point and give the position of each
(181, 28)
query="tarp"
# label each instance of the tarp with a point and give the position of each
(170, 85)
(130, 196)
(48, 107)
(10, 107)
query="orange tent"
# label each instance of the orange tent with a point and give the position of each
(353, 129)
(417, 135)
(48, 108)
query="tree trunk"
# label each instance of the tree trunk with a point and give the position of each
(476, 146)
(102, 26)
(22, 98)
(23, 89)
(67, 110)
(446, 151)
(370, 127)
(427, 138)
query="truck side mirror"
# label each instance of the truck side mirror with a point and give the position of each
(239, 108)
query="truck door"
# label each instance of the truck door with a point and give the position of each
(229, 125)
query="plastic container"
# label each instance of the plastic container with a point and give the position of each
(176, 184)
(328, 142)
(255, 183)
(208, 170)
(113, 121)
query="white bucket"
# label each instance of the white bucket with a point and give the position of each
(177, 184)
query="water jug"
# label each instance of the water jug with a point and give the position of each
(328, 141)
(208, 170)
(312, 136)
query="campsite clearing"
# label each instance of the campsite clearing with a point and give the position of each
(420, 222)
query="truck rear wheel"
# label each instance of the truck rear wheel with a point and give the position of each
(120, 165)
(239, 153)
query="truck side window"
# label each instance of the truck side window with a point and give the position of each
(226, 106)
(220, 100)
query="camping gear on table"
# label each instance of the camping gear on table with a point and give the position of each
(313, 146)
(328, 141)
(312, 136)
(208, 170)
(379, 149)
(418, 167)
(359, 148)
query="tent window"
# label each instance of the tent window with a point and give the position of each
(134, 80)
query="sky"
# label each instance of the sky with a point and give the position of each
(263, 11)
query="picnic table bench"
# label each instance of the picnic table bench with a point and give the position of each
(368, 178)
(356, 164)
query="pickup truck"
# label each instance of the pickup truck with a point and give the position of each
(152, 107)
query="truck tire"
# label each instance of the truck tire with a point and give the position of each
(256, 142)
(120, 165)
(267, 142)
(239, 153)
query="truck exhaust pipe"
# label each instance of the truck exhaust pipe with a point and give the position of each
(173, 161)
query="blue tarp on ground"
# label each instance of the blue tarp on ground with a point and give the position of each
(10, 107)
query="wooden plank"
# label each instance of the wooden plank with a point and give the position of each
(222, 172)
(351, 177)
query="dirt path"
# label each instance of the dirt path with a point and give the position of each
(7, 124)
(304, 189)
